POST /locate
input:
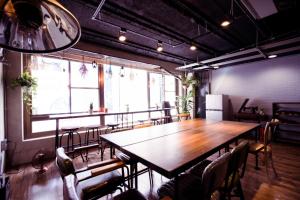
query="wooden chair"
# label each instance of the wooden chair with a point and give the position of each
(265, 147)
(98, 179)
(190, 187)
(235, 171)
(167, 118)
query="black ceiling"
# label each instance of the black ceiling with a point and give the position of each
(180, 23)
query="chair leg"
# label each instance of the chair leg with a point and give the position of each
(240, 190)
(256, 161)
(150, 177)
(266, 162)
(272, 163)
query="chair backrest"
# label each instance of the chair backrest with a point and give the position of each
(166, 104)
(214, 176)
(69, 188)
(237, 163)
(64, 163)
(268, 133)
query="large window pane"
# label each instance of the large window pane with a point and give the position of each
(81, 99)
(79, 79)
(170, 90)
(128, 91)
(155, 89)
(52, 94)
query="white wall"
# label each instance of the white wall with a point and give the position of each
(264, 82)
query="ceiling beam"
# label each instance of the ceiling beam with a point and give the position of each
(117, 10)
(204, 21)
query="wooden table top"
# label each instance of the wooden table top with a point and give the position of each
(173, 152)
(124, 138)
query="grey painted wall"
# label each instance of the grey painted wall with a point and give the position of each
(264, 82)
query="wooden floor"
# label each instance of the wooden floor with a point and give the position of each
(25, 184)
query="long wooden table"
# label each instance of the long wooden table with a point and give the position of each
(172, 148)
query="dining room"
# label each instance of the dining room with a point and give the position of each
(149, 100)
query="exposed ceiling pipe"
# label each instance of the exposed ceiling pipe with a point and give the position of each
(92, 34)
(249, 16)
(97, 12)
(248, 55)
(180, 5)
(134, 18)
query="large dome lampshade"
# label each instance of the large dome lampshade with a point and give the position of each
(37, 26)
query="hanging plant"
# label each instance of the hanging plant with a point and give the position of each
(188, 81)
(28, 85)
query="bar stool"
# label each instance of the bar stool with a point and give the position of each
(113, 126)
(155, 121)
(70, 132)
(93, 129)
(141, 121)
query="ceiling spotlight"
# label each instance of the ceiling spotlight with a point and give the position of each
(272, 56)
(225, 23)
(159, 46)
(122, 36)
(216, 67)
(193, 47)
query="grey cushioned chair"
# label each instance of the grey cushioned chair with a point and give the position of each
(191, 187)
(235, 171)
(95, 180)
(73, 191)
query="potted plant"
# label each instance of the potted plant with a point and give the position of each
(28, 85)
(185, 103)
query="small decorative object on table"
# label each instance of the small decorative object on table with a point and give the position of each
(127, 107)
(91, 108)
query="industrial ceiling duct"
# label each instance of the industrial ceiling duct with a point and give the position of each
(37, 26)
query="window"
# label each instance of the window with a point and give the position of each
(84, 85)
(67, 86)
(61, 89)
(156, 92)
(128, 92)
(170, 89)
(52, 93)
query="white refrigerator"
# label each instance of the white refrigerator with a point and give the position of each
(216, 107)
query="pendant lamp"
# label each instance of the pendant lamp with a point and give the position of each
(37, 26)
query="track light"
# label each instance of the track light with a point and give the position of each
(225, 23)
(122, 34)
(159, 46)
(193, 47)
(272, 56)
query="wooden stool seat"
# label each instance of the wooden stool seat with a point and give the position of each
(70, 128)
(113, 125)
(155, 120)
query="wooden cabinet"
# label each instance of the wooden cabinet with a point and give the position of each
(288, 114)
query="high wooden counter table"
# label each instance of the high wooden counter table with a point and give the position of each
(179, 145)
(95, 114)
